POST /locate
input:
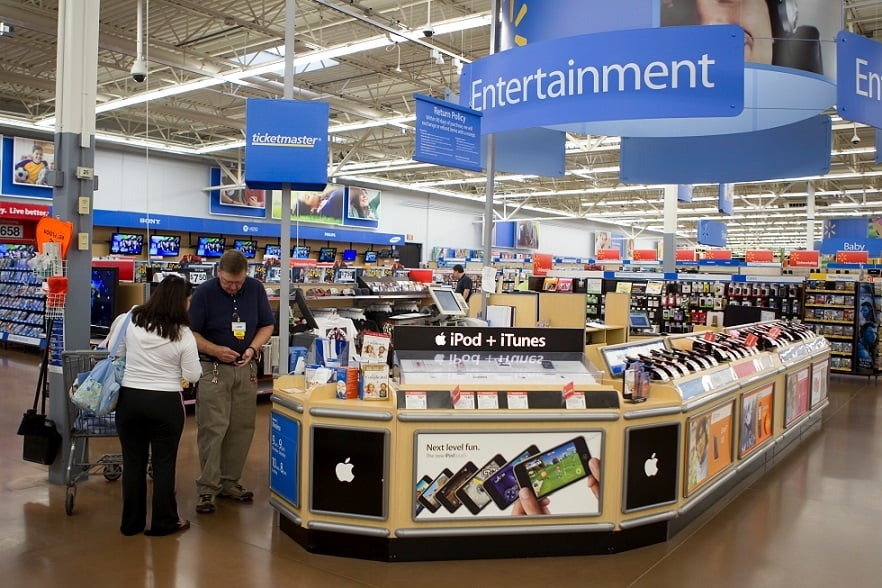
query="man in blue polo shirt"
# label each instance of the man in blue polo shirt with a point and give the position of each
(231, 319)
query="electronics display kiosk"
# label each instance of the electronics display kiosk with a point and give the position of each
(481, 414)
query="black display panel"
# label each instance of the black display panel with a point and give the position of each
(349, 471)
(651, 465)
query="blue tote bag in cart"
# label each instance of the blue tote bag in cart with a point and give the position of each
(97, 391)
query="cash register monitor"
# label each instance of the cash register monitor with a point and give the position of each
(639, 320)
(448, 302)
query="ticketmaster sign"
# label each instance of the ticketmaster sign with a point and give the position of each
(286, 142)
(674, 72)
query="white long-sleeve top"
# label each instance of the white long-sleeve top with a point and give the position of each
(154, 362)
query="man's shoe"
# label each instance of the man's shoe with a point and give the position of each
(205, 505)
(237, 492)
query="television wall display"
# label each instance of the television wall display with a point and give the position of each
(165, 245)
(327, 254)
(248, 247)
(126, 243)
(272, 251)
(300, 252)
(102, 298)
(210, 246)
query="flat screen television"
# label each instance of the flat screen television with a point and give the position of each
(126, 243)
(102, 299)
(165, 245)
(370, 257)
(248, 247)
(210, 246)
(300, 252)
(349, 254)
(16, 250)
(272, 251)
(327, 254)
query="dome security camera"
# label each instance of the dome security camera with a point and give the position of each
(855, 139)
(428, 31)
(139, 70)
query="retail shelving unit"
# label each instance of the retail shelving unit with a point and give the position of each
(22, 304)
(830, 312)
(438, 462)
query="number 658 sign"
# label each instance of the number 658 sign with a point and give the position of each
(10, 231)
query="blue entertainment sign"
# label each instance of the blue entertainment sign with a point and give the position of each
(286, 142)
(284, 457)
(859, 79)
(447, 134)
(673, 72)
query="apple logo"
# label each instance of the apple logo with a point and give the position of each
(650, 467)
(440, 340)
(344, 471)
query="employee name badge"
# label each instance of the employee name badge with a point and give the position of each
(239, 330)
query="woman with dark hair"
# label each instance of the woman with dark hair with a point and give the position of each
(359, 203)
(161, 354)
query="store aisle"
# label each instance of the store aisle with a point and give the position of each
(812, 521)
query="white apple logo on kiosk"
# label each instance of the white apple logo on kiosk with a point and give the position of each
(650, 466)
(344, 471)
(440, 340)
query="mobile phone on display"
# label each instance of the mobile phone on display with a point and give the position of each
(472, 493)
(421, 486)
(554, 469)
(502, 486)
(446, 494)
(428, 498)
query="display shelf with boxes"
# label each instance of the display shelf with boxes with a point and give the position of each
(22, 303)
(831, 311)
(483, 419)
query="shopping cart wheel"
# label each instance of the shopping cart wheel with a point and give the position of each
(112, 472)
(69, 499)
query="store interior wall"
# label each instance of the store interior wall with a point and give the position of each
(159, 184)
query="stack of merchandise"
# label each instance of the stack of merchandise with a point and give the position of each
(374, 377)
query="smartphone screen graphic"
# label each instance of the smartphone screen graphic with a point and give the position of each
(446, 494)
(428, 498)
(502, 487)
(421, 486)
(554, 469)
(472, 493)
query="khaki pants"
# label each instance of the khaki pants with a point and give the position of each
(225, 414)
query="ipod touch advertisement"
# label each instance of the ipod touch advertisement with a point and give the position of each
(486, 475)
(757, 410)
(709, 446)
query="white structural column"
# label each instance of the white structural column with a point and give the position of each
(669, 243)
(810, 216)
(285, 276)
(76, 79)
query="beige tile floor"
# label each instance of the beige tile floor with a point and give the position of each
(813, 520)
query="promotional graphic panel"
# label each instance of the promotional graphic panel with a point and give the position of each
(31, 161)
(867, 330)
(528, 234)
(464, 475)
(709, 447)
(757, 408)
(820, 373)
(796, 398)
(284, 450)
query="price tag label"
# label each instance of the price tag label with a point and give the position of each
(572, 398)
(774, 333)
(415, 399)
(488, 400)
(710, 336)
(465, 401)
(751, 340)
(11, 231)
(517, 400)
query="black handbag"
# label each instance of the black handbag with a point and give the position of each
(41, 438)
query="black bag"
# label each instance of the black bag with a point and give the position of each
(41, 437)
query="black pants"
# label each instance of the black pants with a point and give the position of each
(149, 422)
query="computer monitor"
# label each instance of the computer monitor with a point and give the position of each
(165, 245)
(327, 254)
(639, 320)
(448, 303)
(248, 247)
(126, 243)
(210, 246)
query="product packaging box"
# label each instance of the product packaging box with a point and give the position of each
(374, 383)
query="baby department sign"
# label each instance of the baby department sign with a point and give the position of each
(286, 141)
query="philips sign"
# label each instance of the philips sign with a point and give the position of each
(286, 143)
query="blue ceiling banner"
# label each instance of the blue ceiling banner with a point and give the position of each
(447, 134)
(539, 152)
(674, 72)
(877, 138)
(553, 19)
(504, 234)
(726, 198)
(712, 232)
(684, 193)
(286, 142)
(859, 84)
(791, 151)
(852, 234)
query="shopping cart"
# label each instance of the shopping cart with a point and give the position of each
(83, 425)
